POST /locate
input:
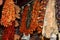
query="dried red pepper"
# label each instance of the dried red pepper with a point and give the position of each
(8, 20)
(37, 13)
(8, 33)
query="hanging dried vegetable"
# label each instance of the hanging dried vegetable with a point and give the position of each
(23, 22)
(50, 25)
(9, 15)
(41, 8)
(37, 17)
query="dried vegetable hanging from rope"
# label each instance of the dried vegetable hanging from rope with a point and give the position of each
(50, 25)
(37, 17)
(9, 15)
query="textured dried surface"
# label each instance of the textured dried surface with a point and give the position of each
(8, 33)
(23, 22)
(50, 26)
(8, 20)
(37, 17)
(8, 13)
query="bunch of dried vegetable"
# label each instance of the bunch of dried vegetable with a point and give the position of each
(50, 26)
(33, 20)
(9, 14)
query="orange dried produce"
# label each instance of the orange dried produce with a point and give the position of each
(23, 22)
(8, 13)
(33, 23)
(37, 17)
(38, 14)
(41, 14)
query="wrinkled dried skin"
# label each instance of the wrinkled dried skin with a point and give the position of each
(50, 26)
(8, 33)
(23, 22)
(8, 13)
(39, 12)
(35, 18)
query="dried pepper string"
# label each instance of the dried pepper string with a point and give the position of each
(8, 33)
(23, 22)
(50, 27)
(23, 27)
(9, 15)
(36, 21)
(41, 13)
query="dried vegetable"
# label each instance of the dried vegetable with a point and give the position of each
(37, 17)
(8, 19)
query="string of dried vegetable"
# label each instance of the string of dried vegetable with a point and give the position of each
(37, 17)
(9, 14)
